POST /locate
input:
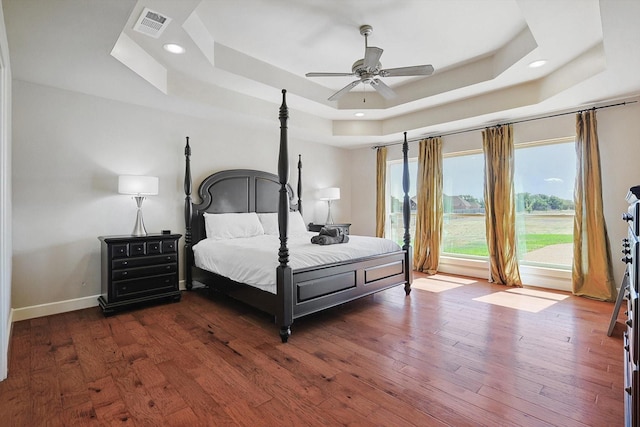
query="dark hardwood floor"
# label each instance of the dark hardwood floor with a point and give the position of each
(456, 352)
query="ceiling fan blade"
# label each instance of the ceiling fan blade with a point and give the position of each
(416, 70)
(383, 89)
(372, 57)
(344, 90)
(329, 74)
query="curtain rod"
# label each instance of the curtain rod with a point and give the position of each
(419, 138)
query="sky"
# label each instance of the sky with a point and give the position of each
(544, 169)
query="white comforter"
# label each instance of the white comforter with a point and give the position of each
(254, 260)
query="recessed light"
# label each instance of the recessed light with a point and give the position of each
(538, 63)
(359, 114)
(174, 48)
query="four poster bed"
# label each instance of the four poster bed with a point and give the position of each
(225, 221)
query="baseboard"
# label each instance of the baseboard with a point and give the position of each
(54, 308)
(541, 277)
(59, 307)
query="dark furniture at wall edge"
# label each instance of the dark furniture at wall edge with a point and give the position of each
(630, 290)
(303, 291)
(138, 270)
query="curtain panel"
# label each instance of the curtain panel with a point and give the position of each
(381, 184)
(429, 214)
(500, 212)
(592, 274)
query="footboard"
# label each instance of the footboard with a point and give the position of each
(318, 288)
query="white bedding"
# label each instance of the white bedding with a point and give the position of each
(253, 260)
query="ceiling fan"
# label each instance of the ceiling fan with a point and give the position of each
(369, 69)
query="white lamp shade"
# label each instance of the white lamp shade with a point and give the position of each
(140, 185)
(332, 193)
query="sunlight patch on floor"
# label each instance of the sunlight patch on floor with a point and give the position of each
(523, 299)
(437, 284)
(539, 294)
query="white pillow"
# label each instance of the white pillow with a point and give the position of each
(270, 223)
(232, 225)
(296, 224)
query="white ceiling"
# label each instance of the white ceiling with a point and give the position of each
(241, 53)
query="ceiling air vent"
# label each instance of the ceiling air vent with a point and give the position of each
(151, 23)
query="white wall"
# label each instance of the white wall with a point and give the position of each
(69, 149)
(619, 137)
(5, 199)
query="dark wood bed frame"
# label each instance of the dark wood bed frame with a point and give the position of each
(299, 292)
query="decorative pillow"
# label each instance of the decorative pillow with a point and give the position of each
(270, 223)
(232, 225)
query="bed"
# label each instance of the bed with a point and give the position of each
(298, 289)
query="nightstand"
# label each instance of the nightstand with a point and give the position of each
(316, 227)
(138, 269)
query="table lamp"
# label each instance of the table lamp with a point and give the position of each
(139, 187)
(329, 194)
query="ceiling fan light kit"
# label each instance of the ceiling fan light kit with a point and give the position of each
(369, 68)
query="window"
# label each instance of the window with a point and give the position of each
(463, 198)
(544, 182)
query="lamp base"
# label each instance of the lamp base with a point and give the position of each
(138, 228)
(329, 220)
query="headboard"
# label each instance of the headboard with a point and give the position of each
(237, 191)
(233, 191)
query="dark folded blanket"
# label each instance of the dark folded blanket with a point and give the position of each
(330, 236)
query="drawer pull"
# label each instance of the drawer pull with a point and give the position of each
(629, 322)
(626, 347)
(168, 267)
(628, 390)
(124, 273)
(124, 288)
(124, 263)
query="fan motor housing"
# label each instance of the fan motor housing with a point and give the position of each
(359, 68)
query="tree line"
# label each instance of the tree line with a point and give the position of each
(524, 201)
(532, 202)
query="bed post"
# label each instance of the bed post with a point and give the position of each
(300, 183)
(406, 216)
(284, 273)
(188, 217)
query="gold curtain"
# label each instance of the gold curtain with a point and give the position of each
(381, 183)
(429, 213)
(592, 271)
(500, 212)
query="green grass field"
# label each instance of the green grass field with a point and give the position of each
(465, 234)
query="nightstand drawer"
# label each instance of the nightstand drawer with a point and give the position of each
(169, 246)
(119, 264)
(154, 248)
(137, 288)
(153, 270)
(137, 248)
(120, 250)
